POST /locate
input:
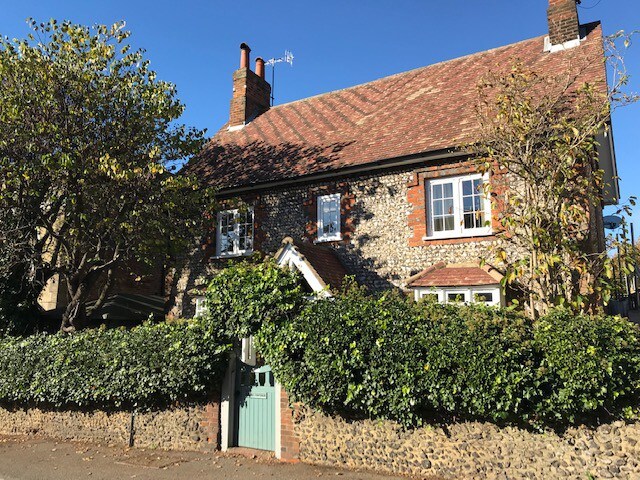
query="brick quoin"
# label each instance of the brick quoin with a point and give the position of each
(290, 443)
(210, 421)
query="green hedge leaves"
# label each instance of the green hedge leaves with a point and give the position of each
(387, 357)
(245, 296)
(146, 367)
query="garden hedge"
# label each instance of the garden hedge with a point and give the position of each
(153, 365)
(388, 357)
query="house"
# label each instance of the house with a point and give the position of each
(373, 175)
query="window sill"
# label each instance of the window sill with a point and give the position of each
(248, 253)
(328, 239)
(457, 236)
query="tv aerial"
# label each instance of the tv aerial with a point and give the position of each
(287, 58)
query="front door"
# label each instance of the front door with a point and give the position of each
(255, 407)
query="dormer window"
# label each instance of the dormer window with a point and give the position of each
(235, 232)
(329, 218)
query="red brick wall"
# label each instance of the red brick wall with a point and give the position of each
(251, 97)
(290, 443)
(210, 422)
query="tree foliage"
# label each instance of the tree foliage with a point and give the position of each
(87, 140)
(539, 139)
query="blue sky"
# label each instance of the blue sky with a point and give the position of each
(336, 44)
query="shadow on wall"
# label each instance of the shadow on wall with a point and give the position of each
(190, 274)
(283, 213)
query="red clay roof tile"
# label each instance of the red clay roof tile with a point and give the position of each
(452, 276)
(425, 110)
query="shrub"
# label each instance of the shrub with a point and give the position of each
(478, 362)
(147, 366)
(589, 365)
(245, 295)
(387, 357)
(351, 354)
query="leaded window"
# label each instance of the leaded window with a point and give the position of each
(235, 232)
(458, 207)
(329, 217)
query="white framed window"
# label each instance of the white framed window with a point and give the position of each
(489, 295)
(458, 207)
(429, 294)
(201, 306)
(235, 232)
(329, 217)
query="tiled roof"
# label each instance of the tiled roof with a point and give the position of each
(324, 261)
(429, 109)
(454, 275)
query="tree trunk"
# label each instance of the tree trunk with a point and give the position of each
(75, 315)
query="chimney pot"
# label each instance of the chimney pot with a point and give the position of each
(244, 55)
(260, 67)
(251, 92)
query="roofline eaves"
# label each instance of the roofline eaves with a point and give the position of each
(384, 164)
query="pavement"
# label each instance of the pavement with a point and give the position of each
(34, 458)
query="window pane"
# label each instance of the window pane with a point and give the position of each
(449, 223)
(437, 207)
(225, 244)
(448, 206)
(448, 190)
(469, 220)
(467, 188)
(484, 297)
(476, 203)
(437, 191)
(329, 206)
(477, 185)
(438, 224)
(455, 297)
(429, 297)
(467, 203)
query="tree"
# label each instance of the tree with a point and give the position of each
(538, 138)
(88, 137)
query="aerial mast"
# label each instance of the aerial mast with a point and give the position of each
(287, 58)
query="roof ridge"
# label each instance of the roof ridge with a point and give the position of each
(413, 70)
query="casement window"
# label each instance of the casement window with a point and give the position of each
(201, 306)
(235, 232)
(458, 207)
(489, 295)
(329, 217)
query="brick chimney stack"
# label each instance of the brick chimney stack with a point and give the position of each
(562, 16)
(251, 92)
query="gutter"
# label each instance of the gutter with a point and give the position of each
(345, 171)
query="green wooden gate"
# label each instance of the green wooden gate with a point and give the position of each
(255, 407)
